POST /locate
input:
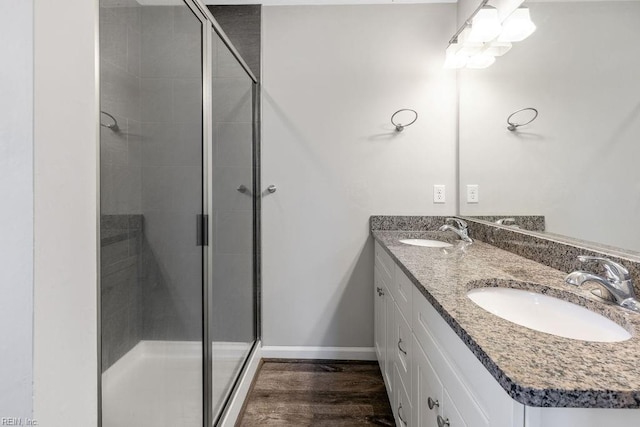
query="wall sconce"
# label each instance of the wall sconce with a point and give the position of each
(483, 37)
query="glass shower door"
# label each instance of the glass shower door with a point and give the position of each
(232, 297)
(151, 198)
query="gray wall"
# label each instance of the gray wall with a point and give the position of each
(16, 215)
(332, 78)
(577, 163)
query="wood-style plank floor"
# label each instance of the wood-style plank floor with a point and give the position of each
(317, 393)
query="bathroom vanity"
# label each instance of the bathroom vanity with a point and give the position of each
(448, 362)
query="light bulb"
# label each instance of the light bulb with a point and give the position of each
(496, 48)
(455, 60)
(517, 27)
(464, 46)
(485, 26)
(481, 60)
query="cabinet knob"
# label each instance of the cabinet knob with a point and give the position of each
(443, 422)
(380, 291)
(432, 403)
(400, 348)
(400, 415)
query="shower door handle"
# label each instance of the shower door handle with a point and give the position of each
(202, 230)
(272, 189)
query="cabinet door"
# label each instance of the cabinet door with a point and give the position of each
(402, 409)
(427, 390)
(380, 316)
(450, 415)
(402, 348)
(389, 360)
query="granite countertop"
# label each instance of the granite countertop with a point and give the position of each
(534, 368)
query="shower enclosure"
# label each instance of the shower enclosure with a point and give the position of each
(179, 214)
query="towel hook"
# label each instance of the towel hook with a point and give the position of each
(513, 126)
(399, 126)
(113, 126)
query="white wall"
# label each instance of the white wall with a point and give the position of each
(16, 215)
(333, 76)
(65, 258)
(577, 163)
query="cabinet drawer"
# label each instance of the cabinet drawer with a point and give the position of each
(402, 291)
(385, 264)
(402, 345)
(402, 409)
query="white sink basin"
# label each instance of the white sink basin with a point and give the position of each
(426, 243)
(548, 314)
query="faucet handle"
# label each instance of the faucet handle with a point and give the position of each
(614, 270)
(460, 223)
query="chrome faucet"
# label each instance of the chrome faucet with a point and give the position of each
(617, 281)
(462, 230)
(511, 222)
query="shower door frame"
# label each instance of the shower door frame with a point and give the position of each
(209, 26)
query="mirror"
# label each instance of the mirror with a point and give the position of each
(578, 163)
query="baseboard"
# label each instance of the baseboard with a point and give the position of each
(334, 353)
(234, 408)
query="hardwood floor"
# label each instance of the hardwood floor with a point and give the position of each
(317, 393)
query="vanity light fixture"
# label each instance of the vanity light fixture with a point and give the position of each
(483, 37)
(485, 25)
(481, 60)
(464, 46)
(454, 60)
(496, 48)
(518, 26)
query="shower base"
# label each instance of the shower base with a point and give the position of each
(159, 383)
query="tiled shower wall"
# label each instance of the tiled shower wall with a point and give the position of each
(171, 125)
(121, 179)
(148, 82)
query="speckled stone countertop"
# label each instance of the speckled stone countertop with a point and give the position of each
(534, 368)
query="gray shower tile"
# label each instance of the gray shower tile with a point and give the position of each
(114, 148)
(187, 101)
(113, 38)
(234, 232)
(120, 92)
(166, 144)
(156, 99)
(234, 144)
(134, 51)
(226, 181)
(115, 252)
(233, 99)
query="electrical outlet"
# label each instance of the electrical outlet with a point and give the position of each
(472, 194)
(438, 194)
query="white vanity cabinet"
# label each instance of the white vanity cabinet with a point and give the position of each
(434, 380)
(425, 383)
